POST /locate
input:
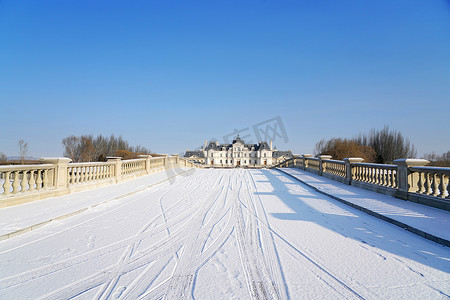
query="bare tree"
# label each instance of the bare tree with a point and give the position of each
(23, 149)
(438, 160)
(87, 148)
(340, 148)
(389, 145)
(72, 147)
(3, 158)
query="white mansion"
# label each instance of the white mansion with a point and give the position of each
(238, 153)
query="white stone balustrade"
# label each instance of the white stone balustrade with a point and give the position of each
(378, 174)
(57, 176)
(335, 167)
(406, 179)
(25, 178)
(313, 163)
(87, 172)
(133, 166)
(433, 181)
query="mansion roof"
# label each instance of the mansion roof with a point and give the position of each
(225, 147)
(253, 147)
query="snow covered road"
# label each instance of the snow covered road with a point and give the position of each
(223, 234)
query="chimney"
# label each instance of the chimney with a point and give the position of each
(270, 144)
(206, 142)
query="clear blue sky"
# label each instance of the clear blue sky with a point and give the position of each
(170, 74)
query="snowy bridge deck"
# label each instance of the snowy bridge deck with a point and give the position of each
(221, 234)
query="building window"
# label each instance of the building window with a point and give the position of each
(264, 154)
(220, 161)
(211, 155)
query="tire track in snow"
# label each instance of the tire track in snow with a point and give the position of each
(267, 242)
(259, 283)
(331, 280)
(108, 287)
(181, 283)
(95, 254)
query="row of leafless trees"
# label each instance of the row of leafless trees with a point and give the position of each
(86, 148)
(442, 160)
(379, 146)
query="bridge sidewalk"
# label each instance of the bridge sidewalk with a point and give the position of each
(19, 219)
(428, 222)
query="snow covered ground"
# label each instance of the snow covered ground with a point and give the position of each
(222, 234)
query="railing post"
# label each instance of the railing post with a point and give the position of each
(403, 175)
(117, 167)
(60, 178)
(348, 168)
(166, 161)
(322, 164)
(147, 161)
(177, 159)
(305, 160)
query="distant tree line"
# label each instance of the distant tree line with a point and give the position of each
(86, 148)
(442, 160)
(379, 146)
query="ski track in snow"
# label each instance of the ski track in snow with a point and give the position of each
(193, 218)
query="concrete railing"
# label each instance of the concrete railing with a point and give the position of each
(378, 174)
(25, 178)
(88, 172)
(57, 176)
(432, 181)
(406, 179)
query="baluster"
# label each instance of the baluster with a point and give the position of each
(420, 185)
(395, 179)
(92, 173)
(383, 177)
(16, 182)
(391, 178)
(32, 182)
(448, 187)
(435, 185)
(7, 183)
(83, 174)
(78, 174)
(426, 185)
(73, 175)
(39, 179)
(442, 186)
(86, 173)
(24, 183)
(45, 179)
